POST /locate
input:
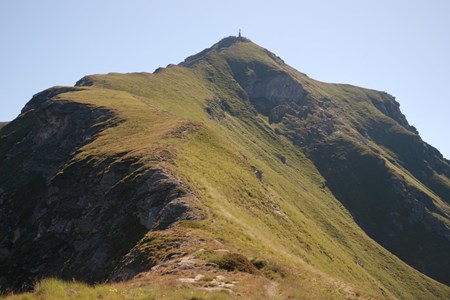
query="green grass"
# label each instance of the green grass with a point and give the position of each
(308, 240)
(54, 289)
(309, 229)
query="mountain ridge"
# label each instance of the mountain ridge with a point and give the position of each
(273, 163)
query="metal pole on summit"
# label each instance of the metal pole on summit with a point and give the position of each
(239, 33)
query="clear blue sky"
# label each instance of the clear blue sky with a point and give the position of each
(398, 46)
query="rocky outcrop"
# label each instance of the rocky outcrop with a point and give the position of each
(273, 95)
(75, 217)
(391, 108)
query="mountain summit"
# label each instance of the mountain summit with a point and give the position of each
(232, 173)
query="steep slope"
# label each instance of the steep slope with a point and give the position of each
(62, 209)
(357, 138)
(172, 174)
(395, 185)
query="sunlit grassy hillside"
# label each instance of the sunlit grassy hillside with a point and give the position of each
(262, 195)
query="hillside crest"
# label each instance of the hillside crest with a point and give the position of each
(231, 165)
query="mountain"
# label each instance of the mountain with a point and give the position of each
(230, 173)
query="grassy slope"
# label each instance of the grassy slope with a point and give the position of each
(53, 289)
(2, 124)
(288, 218)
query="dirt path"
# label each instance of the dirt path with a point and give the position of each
(271, 289)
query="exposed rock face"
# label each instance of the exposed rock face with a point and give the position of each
(272, 92)
(391, 108)
(69, 217)
(273, 95)
(277, 89)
